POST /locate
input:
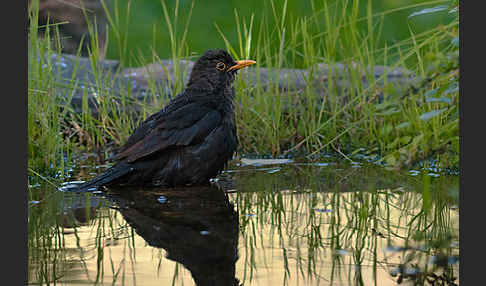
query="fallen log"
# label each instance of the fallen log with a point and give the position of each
(158, 79)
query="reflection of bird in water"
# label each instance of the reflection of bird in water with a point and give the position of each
(197, 226)
(190, 140)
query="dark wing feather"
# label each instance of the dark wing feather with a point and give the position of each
(184, 126)
(150, 123)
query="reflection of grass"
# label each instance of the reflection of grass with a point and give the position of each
(303, 223)
(45, 242)
(312, 225)
(65, 243)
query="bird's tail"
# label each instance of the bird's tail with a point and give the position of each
(110, 176)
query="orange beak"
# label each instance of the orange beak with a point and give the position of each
(241, 64)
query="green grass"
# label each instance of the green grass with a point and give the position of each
(146, 31)
(405, 128)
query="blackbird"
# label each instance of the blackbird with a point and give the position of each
(190, 140)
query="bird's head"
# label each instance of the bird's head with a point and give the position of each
(215, 69)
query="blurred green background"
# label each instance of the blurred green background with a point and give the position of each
(145, 25)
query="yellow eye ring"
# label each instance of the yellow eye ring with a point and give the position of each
(220, 66)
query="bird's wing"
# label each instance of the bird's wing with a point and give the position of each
(184, 126)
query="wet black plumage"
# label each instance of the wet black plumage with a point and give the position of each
(190, 140)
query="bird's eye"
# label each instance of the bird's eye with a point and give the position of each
(220, 66)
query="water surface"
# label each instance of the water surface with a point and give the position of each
(259, 223)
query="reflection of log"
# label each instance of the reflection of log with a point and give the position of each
(197, 226)
(117, 81)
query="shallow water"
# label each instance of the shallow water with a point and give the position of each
(284, 223)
